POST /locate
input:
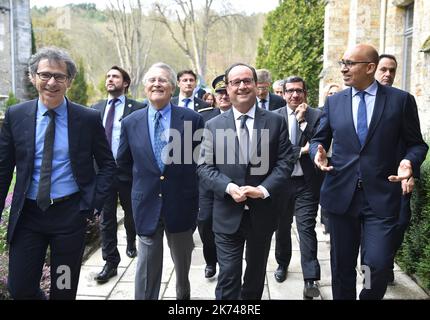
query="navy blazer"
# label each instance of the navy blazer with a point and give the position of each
(87, 142)
(394, 119)
(216, 170)
(171, 194)
(198, 103)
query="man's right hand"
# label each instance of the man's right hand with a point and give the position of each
(321, 160)
(236, 193)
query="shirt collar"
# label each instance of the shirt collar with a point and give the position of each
(266, 98)
(120, 98)
(250, 113)
(181, 98)
(164, 111)
(61, 110)
(370, 90)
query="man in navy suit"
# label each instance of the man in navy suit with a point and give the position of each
(187, 81)
(246, 168)
(156, 152)
(113, 111)
(362, 189)
(266, 99)
(53, 143)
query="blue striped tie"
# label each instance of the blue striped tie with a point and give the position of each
(159, 142)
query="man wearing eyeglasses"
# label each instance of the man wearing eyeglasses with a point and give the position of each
(366, 177)
(245, 197)
(266, 99)
(53, 143)
(301, 196)
(156, 153)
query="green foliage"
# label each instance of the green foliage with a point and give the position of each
(78, 91)
(11, 100)
(414, 255)
(293, 43)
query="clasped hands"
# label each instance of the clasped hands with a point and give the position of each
(240, 194)
(404, 171)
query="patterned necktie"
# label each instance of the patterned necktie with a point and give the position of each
(244, 140)
(159, 142)
(263, 103)
(44, 192)
(362, 118)
(186, 102)
(109, 121)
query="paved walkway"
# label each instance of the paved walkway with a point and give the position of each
(122, 286)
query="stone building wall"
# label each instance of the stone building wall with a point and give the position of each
(380, 23)
(22, 44)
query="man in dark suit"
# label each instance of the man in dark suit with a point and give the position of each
(187, 81)
(113, 111)
(246, 168)
(385, 74)
(156, 152)
(52, 142)
(302, 193)
(362, 189)
(266, 99)
(206, 196)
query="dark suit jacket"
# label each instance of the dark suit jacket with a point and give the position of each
(198, 103)
(395, 118)
(130, 106)
(275, 102)
(313, 176)
(216, 171)
(87, 141)
(171, 194)
(206, 196)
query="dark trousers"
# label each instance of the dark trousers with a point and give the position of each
(62, 228)
(230, 252)
(402, 222)
(208, 239)
(360, 226)
(301, 202)
(109, 225)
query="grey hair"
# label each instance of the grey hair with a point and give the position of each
(52, 54)
(165, 67)
(278, 83)
(263, 75)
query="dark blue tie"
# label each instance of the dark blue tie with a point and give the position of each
(109, 121)
(159, 142)
(362, 118)
(186, 102)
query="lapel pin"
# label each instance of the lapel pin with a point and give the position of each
(129, 105)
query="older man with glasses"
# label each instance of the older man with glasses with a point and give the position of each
(266, 99)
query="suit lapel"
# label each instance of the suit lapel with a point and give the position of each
(73, 128)
(259, 124)
(29, 124)
(128, 106)
(378, 109)
(147, 146)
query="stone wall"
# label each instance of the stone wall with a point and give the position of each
(380, 23)
(22, 45)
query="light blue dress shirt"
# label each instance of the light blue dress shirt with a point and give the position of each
(62, 181)
(369, 97)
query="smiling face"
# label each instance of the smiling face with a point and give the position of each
(242, 96)
(158, 88)
(51, 92)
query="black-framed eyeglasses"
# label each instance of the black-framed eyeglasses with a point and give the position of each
(46, 76)
(349, 63)
(246, 82)
(298, 91)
